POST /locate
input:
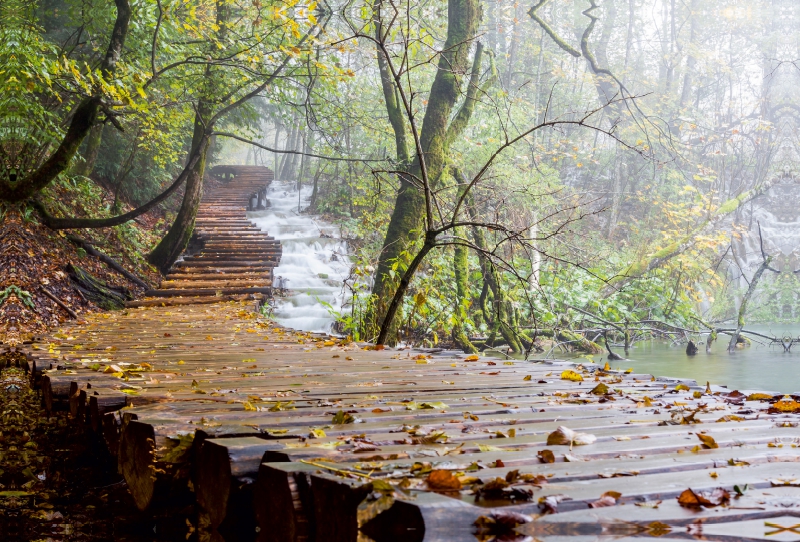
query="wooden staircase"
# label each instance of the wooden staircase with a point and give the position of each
(228, 257)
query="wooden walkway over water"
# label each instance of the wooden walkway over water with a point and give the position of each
(311, 438)
(289, 436)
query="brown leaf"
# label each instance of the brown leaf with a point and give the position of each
(730, 418)
(786, 405)
(443, 480)
(567, 437)
(709, 499)
(602, 502)
(546, 456)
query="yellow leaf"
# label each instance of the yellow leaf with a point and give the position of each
(572, 376)
(708, 442)
(527, 377)
(249, 406)
(682, 387)
(473, 357)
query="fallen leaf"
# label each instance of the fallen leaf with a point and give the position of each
(573, 458)
(708, 442)
(563, 436)
(572, 376)
(528, 377)
(786, 405)
(609, 498)
(600, 389)
(784, 482)
(342, 417)
(708, 499)
(546, 456)
(730, 418)
(443, 480)
(473, 357)
(500, 525)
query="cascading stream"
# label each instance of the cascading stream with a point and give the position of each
(314, 263)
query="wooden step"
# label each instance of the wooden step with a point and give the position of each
(207, 291)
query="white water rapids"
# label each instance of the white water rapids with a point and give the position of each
(314, 262)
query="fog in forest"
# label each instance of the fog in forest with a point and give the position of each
(528, 177)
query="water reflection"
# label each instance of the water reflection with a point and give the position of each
(758, 367)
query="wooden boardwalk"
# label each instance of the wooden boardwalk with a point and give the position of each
(286, 436)
(302, 437)
(228, 257)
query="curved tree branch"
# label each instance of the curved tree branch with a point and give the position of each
(56, 223)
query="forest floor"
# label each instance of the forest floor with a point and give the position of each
(35, 258)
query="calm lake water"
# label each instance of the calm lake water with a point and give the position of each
(757, 367)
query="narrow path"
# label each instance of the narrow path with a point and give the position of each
(228, 257)
(288, 436)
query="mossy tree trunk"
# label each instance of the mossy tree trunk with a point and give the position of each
(91, 151)
(179, 234)
(409, 217)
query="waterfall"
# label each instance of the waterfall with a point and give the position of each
(314, 263)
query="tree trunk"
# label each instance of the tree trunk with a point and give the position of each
(690, 60)
(409, 214)
(171, 246)
(85, 168)
(745, 300)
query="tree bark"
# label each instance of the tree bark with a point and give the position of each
(745, 300)
(179, 234)
(407, 221)
(171, 246)
(85, 168)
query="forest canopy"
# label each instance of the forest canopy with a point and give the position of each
(532, 176)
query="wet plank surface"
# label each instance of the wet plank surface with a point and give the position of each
(311, 438)
(228, 257)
